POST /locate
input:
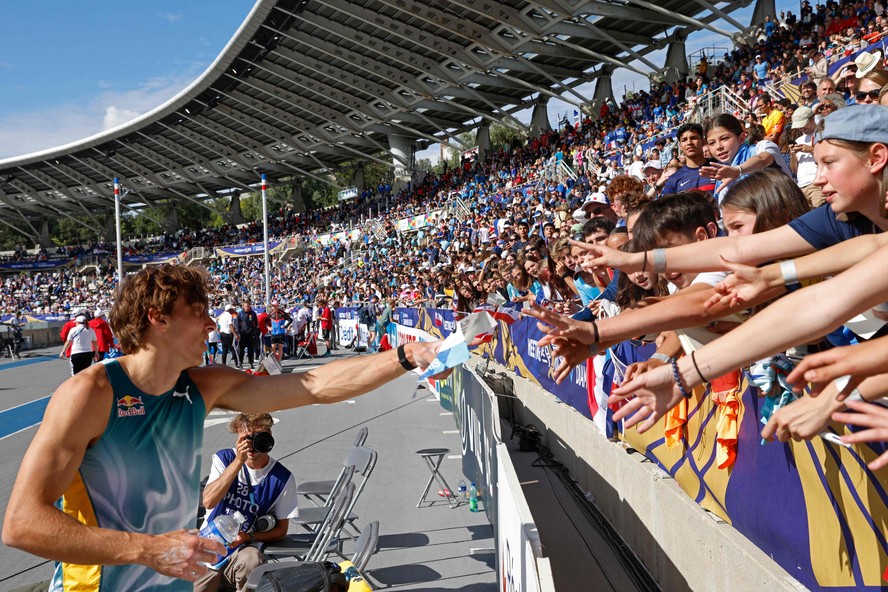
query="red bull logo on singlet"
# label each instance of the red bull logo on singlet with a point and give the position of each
(128, 406)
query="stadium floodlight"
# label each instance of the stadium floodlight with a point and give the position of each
(117, 198)
(265, 243)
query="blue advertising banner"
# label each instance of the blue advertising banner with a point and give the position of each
(26, 265)
(247, 250)
(153, 259)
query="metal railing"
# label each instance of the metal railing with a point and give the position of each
(715, 102)
(556, 170)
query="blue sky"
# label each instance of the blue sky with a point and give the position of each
(69, 70)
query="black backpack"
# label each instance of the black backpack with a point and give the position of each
(305, 576)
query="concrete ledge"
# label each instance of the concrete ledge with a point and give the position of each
(683, 546)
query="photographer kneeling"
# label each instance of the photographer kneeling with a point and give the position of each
(246, 479)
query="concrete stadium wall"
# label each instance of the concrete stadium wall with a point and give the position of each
(682, 545)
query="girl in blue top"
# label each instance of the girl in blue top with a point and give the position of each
(726, 137)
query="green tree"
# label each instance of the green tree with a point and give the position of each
(502, 136)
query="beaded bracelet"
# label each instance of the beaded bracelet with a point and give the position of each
(681, 388)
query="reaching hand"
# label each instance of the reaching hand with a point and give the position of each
(572, 353)
(858, 361)
(182, 554)
(561, 326)
(869, 416)
(639, 368)
(745, 285)
(600, 256)
(720, 172)
(655, 393)
(802, 419)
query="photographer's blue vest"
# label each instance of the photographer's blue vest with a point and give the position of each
(250, 500)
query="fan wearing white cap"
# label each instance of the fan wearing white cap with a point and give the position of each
(80, 345)
(653, 172)
(227, 333)
(802, 162)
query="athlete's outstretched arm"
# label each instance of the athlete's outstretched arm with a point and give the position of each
(331, 383)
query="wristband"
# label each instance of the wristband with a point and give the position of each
(659, 260)
(677, 375)
(789, 273)
(402, 359)
(661, 357)
(854, 395)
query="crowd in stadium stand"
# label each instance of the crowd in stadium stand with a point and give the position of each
(511, 206)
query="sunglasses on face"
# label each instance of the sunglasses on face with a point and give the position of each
(861, 96)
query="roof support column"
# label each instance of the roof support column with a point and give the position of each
(109, 229)
(235, 216)
(676, 65)
(604, 89)
(296, 194)
(482, 140)
(172, 221)
(762, 8)
(44, 238)
(539, 120)
(403, 150)
(358, 178)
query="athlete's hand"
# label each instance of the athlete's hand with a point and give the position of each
(182, 554)
(425, 352)
(600, 256)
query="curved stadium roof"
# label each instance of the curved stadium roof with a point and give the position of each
(305, 86)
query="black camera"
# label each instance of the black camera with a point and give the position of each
(261, 441)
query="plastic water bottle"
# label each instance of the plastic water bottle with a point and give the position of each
(224, 528)
(461, 488)
(473, 498)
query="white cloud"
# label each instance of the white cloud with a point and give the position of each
(26, 132)
(115, 116)
(170, 17)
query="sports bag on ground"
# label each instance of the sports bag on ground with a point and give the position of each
(305, 576)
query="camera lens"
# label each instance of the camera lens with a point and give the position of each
(262, 442)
